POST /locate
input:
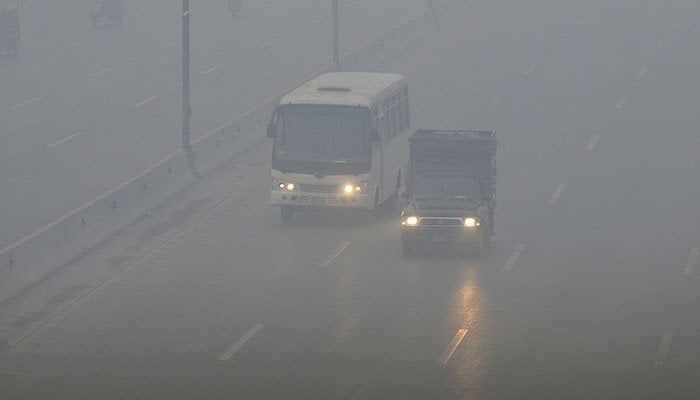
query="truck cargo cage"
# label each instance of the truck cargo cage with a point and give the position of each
(459, 151)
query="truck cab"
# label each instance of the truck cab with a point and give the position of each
(451, 197)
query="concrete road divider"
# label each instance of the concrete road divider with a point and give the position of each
(64, 240)
(32, 258)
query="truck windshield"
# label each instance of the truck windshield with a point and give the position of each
(451, 188)
(322, 135)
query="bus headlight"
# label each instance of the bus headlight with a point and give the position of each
(410, 221)
(471, 222)
(283, 186)
(356, 187)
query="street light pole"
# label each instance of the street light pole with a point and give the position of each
(336, 36)
(186, 108)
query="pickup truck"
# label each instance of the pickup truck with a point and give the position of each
(451, 190)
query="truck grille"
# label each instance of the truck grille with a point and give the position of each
(319, 188)
(440, 222)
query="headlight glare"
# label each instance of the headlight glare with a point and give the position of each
(283, 186)
(411, 221)
(471, 222)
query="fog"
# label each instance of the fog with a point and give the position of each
(189, 284)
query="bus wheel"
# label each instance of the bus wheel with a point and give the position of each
(287, 214)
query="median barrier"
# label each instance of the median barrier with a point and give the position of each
(66, 239)
(63, 241)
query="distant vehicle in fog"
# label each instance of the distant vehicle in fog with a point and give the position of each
(452, 190)
(10, 33)
(340, 141)
(111, 11)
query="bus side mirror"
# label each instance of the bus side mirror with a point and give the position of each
(271, 129)
(404, 195)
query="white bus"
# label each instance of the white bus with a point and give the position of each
(340, 141)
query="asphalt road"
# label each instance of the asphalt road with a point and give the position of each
(590, 289)
(83, 109)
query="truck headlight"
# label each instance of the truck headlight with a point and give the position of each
(471, 222)
(283, 186)
(410, 221)
(355, 187)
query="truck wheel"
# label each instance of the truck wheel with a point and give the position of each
(287, 214)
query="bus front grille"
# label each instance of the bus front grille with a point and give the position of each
(309, 188)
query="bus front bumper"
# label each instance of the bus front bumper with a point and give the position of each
(327, 200)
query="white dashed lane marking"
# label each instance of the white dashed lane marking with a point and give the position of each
(692, 261)
(148, 100)
(269, 43)
(240, 342)
(593, 142)
(104, 71)
(530, 70)
(167, 45)
(341, 247)
(664, 347)
(513, 258)
(559, 42)
(620, 103)
(70, 46)
(447, 354)
(212, 69)
(642, 72)
(557, 193)
(496, 100)
(73, 136)
(316, 21)
(26, 103)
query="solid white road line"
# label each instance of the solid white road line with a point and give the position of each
(104, 71)
(445, 357)
(513, 258)
(165, 46)
(316, 21)
(148, 100)
(663, 350)
(530, 70)
(692, 260)
(334, 254)
(75, 135)
(70, 46)
(262, 46)
(496, 100)
(212, 69)
(593, 141)
(620, 103)
(557, 193)
(26, 103)
(240, 342)
(642, 72)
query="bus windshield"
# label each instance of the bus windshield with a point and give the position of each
(322, 136)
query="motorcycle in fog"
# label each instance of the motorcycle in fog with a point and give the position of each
(107, 10)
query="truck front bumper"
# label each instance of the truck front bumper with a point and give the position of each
(452, 235)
